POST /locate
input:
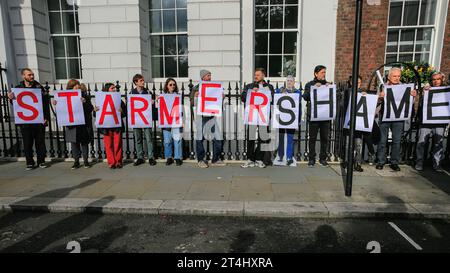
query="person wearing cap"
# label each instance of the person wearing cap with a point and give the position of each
(257, 155)
(436, 131)
(317, 126)
(209, 127)
(285, 151)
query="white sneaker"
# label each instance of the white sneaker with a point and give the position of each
(260, 164)
(248, 164)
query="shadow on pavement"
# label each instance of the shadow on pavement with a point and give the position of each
(326, 241)
(54, 232)
(11, 218)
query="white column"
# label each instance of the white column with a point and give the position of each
(214, 38)
(112, 37)
(318, 44)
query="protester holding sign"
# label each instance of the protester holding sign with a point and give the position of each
(260, 155)
(285, 155)
(396, 118)
(172, 136)
(33, 133)
(317, 126)
(208, 125)
(428, 130)
(142, 133)
(363, 132)
(80, 136)
(112, 134)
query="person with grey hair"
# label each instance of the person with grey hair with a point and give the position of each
(434, 131)
(285, 151)
(209, 127)
(394, 78)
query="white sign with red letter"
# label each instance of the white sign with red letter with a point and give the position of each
(257, 107)
(210, 99)
(139, 111)
(108, 115)
(170, 111)
(28, 106)
(69, 108)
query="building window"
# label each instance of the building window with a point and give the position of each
(276, 36)
(65, 38)
(168, 38)
(411, 30)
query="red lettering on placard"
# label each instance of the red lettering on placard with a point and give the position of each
(138, 111)
(21, 103)
(205, 98)
(258, 107)
(164, 111)
(109, 102)
(68, 96)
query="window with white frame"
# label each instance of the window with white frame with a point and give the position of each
(168, 38)
(276, 36)
(411, 29)
(65, 39)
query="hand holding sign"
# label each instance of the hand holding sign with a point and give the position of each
(210, 99)
(398, 102)
(436, 105)
(323, 103)
(69, 108)
(139, 111)
(109, 109)
(257, 107)
(286, 111)
(27, 106)
(170, 111)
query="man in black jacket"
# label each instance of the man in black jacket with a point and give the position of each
(317, 126)
(34, 134)
(257, 157)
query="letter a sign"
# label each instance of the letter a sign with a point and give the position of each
(108, 115)
(28, 106)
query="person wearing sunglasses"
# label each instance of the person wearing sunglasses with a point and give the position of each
(173, 148)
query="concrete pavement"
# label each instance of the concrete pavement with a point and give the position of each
(225, 191)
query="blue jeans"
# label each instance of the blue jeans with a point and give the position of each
(172, 141)
(289, 146)
(216, 139)
(397, 131)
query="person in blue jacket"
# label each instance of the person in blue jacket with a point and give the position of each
(285, 154)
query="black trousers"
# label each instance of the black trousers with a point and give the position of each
(314, 128)
(34, 135)
(79, 149)
(254, 151)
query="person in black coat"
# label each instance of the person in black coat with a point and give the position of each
(80, 136)
(257, 155)
(34, 134)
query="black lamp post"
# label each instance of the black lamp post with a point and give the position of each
(355, 73)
